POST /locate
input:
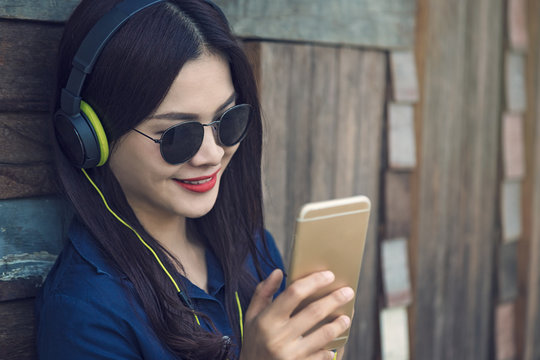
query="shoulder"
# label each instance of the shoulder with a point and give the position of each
(87, 310)
(268, 256)
(78, 308)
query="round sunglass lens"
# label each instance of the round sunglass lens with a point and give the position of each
(233, 125)
(181, 142)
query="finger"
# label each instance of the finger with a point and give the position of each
(318, 310)
(326, 333)
(299, 290)
(322, 355)
(264, 292)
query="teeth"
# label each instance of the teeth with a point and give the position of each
(198, 182)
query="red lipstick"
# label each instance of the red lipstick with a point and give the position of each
(199, 184)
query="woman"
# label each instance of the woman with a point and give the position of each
(167, 257)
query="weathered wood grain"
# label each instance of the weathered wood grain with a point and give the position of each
(323, 124)
(24, 138)
(404, 77)
(505, 332)
(18, 181)
(276, 61)
(507, 272)
(516, 99)
(370, 111)
(397, 204)
(17, 330)
(529, 252)
(517, 25)
(401, 139)
(37, 9)
(348, 117)
(27, 65)
(513, 146)
(395, 272)
(458, 180)
(511, 210)
(31, 233)
(379, 23)
(323, 110)
(374, 23)
(394, 334)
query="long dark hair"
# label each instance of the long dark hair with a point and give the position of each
(130, 79)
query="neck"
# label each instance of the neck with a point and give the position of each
(172, 234)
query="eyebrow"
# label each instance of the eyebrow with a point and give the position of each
(190, 116)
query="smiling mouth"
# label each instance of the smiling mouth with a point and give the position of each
(200, 185)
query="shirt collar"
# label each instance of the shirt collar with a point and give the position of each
(86, 245)
(88, 248)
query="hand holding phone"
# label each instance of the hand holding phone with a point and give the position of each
(330, 235)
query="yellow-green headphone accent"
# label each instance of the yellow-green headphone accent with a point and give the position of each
(240, 315)
(98, 128)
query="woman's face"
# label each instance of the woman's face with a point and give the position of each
(156, 190)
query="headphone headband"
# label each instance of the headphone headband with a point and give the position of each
(88, 53)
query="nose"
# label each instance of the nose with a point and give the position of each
(210, 153)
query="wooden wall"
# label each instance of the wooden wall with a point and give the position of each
(323, 111)
(457, 185)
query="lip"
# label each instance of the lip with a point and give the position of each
(199, 188)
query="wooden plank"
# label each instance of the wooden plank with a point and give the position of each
(298, 164)
(17, 339)
(404, 77)
(401, 140)
(395, 272)
(397, 204)
(29, 248)
(323, 136)
(517, 25)
(507, 272)
(516, 100)
(513, 147)
(457, 183)
(24, 138)
(511, 210)
(369, 106)
(394, 334)
(505, 336)
(26, 180)
(528, 324)
(276, 61)
(373, 23)
(27, 65)
(37, 9)
(349, 77)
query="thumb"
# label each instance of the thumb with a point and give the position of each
(264, 293)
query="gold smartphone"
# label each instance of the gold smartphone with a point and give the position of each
(330, 235)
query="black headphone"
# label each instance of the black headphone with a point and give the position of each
(77, 127)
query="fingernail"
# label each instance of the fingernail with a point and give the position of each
(347, 293)
(346, 321)
(328, 275)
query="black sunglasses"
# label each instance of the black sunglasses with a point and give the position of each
(180, 142)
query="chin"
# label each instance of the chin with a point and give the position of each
(198, 209)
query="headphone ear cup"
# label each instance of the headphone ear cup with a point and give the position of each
(81, 137)
(101, 138)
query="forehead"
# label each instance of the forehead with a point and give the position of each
(201, 86)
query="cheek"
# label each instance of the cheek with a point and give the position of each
(229, 153)
(134, 157)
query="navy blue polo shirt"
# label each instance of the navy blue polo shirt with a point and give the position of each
(84, 312)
